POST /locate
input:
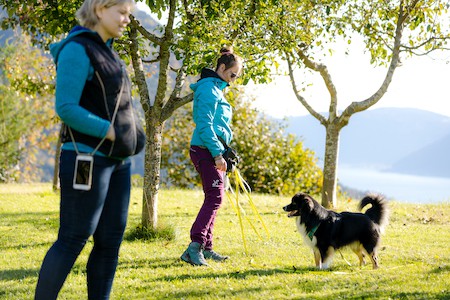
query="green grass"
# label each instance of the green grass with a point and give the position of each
(415, 255)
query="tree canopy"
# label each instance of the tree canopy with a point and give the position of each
(26, 109)
(300, 32)
(303, 33)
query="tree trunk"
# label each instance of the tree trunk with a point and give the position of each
(152, 173)
(330, 165)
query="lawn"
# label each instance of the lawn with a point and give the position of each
(414, 259)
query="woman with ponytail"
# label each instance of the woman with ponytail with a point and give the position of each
(212, 116)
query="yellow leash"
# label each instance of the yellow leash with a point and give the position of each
(233, 196)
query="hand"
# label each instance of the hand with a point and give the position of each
(220, 163)
(111, 134)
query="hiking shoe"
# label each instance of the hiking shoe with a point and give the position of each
(211, 254)
(185, 257)
(194, 255)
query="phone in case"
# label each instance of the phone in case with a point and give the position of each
(82, 178)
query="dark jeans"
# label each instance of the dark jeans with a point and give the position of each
(214, 189)
(101, 212)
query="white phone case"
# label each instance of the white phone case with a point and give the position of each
(82, 177)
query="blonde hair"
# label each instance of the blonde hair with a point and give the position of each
(86, 13)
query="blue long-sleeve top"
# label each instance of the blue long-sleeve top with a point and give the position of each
(73, 69)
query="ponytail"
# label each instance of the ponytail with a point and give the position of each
(228, 58)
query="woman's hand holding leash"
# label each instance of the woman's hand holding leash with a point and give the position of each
(220, 163)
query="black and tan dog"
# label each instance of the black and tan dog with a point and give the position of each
(326, 231)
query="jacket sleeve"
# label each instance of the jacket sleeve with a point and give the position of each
(72, 73)
(208, 99)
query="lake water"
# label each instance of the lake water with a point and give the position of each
(401, 187)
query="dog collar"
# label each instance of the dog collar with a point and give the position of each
(310, 234)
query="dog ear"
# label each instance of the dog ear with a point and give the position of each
(309, 202)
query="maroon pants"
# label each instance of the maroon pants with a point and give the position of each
(213, 188)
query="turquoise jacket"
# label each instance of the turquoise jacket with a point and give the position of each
(212, 113)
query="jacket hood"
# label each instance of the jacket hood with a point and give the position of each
(208, 74)
(56, 48)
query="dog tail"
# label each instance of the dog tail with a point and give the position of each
(379, 212)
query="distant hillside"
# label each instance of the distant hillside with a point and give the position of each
(432, 160)
(383, 138)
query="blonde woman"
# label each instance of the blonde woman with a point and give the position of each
(93, 99)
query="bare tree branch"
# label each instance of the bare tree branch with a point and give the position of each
(175, 103)
(164, 56)
(365, 104)
(138, 68)
(148, 35)
(421, 45)
(172, 104)
(300, 98)
(326, 76)
(150, 61)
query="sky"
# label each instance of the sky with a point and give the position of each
(420, 82)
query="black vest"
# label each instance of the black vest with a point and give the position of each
(100, 96)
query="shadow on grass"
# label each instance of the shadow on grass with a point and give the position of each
(183, 276)
(441, 269)
(444, 295)
(383, 294)
(17, 226)
(150, 263)
(163, 232)
(50, 219)
(25, 246)
(213, 294)
(168, 263)
(6, 275)
(419, 295)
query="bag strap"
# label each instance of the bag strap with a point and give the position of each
(223, 142)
